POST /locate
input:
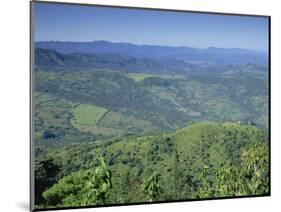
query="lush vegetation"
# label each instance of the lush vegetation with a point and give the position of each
(110, 129)
(109, 103)
(203, 160)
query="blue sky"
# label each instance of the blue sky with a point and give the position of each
(63, 22)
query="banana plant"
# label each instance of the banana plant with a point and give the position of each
(99, 184)
(151, 187)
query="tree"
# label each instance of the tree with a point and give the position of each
(250, 178)
(99, 184)
(151, 187)
(85, 187)
(46, 172)
(205, 190)
(256, 168)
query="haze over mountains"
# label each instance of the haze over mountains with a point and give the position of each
(186, 54)
(50, 59)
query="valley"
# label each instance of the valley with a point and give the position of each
(185, 126)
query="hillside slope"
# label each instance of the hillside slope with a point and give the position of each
(137, 103)
(179, 157)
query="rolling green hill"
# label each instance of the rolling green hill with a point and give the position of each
(65, 102)
(180, 157)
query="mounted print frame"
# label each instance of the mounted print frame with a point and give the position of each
(142, 105)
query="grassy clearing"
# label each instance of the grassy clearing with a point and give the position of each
(118, 120)
(86, 114)
(141, 76)
(104, 131)
(138, 76)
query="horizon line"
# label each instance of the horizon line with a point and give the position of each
(159, 45)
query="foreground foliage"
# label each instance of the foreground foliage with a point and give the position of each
(151, 187)
(250, 178)
(81, 188)
(204, 160)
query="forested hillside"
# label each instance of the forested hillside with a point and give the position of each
(104, 103)
(115, 128)
(203, 160)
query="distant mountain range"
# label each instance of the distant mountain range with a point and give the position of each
(186, 54)
(50, 59)
(53, 60)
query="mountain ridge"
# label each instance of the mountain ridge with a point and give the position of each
(148, 45)
(211, 54)
(49, 58)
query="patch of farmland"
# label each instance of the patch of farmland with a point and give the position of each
(88, 114)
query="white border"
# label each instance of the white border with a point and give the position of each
(14, 119)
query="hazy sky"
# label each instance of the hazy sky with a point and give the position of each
(62, 22)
